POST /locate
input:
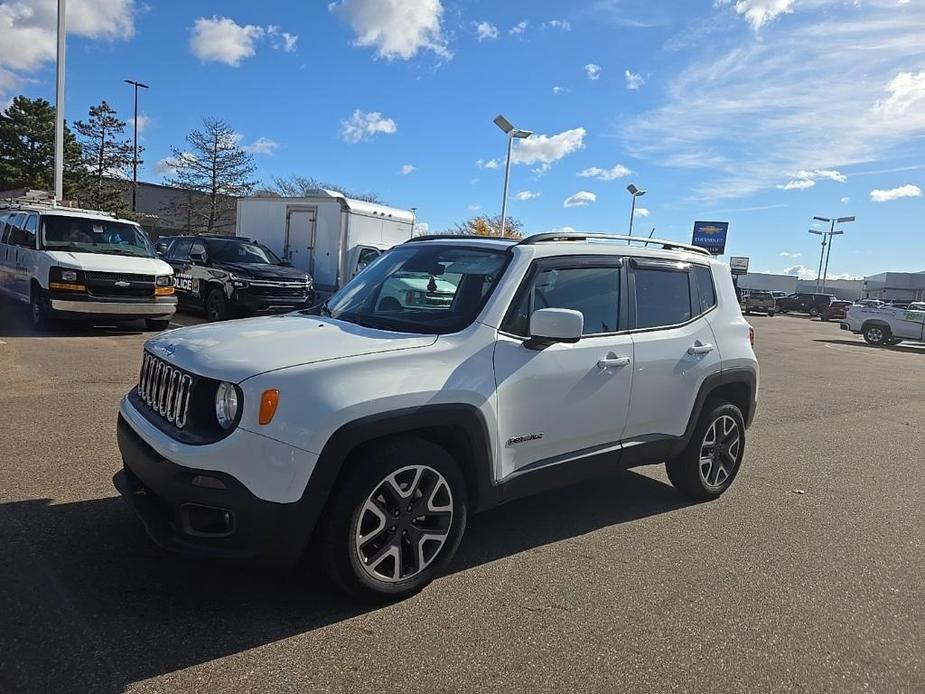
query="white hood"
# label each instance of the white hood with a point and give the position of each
(102, 262)
(235, 350)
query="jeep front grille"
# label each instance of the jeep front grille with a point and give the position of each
(165, 389)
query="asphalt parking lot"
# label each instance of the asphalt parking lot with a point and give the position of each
(809, 574)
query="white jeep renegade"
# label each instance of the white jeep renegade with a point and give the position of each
(372, 430)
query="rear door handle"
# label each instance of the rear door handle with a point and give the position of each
(699, 348)
(610, 362)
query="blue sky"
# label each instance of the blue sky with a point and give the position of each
(760, 112)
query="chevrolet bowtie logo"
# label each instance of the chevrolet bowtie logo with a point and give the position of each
(123, 283)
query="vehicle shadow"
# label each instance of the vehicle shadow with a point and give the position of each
(82, 581)
(914, 348)
(15, 321)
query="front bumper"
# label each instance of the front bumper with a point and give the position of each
(204, 513)
(252, 302)
(87, 307)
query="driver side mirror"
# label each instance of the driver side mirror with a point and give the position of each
(161, 247)
(197, 258)
(551, 325)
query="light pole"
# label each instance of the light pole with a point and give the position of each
(821, 255)
(59, 105)
(830, 233)
(511, 132)
(636, 193)
(136, 85)
(414, 215)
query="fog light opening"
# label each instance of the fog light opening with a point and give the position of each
(206, 521)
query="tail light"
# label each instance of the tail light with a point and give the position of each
(751, 335)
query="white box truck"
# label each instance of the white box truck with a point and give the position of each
(327, 235)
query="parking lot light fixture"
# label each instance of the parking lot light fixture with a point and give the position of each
(830, 233)
(508, 128)
(821, 256)
(636, 193)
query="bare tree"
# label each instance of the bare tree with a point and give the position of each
(215, 170)
(483, 225)
(106, 155)
(299, 186)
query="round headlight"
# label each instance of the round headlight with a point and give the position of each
(226, 404)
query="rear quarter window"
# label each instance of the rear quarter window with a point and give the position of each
(663, 297)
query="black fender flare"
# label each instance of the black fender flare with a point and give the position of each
(425, 420)
(713, 383)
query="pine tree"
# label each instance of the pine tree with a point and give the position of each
(215, 170)
(106, 155)
(27, 148)
(491, 226)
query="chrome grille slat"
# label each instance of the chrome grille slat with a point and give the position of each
(165, 389)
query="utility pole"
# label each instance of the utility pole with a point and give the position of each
(136, 85)
(830, 233)
(59, 105)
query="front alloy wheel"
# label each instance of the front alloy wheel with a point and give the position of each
(404, 524)
(875, 335)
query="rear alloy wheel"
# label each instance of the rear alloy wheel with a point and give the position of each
(394, 520)
(38, 307)
(216, 304)
(877, 335)
(709, 464)
(813, 311)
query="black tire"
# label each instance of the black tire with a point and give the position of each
(40, 311)
(686, 469)
(877, 335)
(813, 311)
(390, 303)
(157, 324)
(339, 545)
(216, 304)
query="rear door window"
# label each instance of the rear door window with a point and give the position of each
(663, 297)
(703, 278)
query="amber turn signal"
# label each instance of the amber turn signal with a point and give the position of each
(268, 402)
(164, 291)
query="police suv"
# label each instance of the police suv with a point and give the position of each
(81, 265)
(227, 275)
(363, 437)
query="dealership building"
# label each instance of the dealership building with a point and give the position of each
(895, 286)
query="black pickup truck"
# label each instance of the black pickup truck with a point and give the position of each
(227, 276)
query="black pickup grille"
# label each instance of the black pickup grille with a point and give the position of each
(263, 290)
(119, 285)
(165, 389)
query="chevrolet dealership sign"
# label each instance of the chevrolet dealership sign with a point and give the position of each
(711, 236)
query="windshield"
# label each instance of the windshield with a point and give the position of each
(82, 235)
(240, 252)
(422, 288)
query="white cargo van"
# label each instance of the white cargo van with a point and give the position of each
(81, 265)
(327, 235)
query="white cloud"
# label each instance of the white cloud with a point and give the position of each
(29, 28)
(745, 110)
(641, 212)
(518, 29)
(907, 90)
(580, 199)
(786, 254)
(397, 29)
(486, 30)
(487, 164)
(474, 181)
(407, 169)
(474, 207)
(800, 184)
(144, 120)
(362, 126)
(801, 271)
(562, 24)
(633, 79)
(592, 71)
(845, 200)
(545, 150)
(618, 171)
(167, 166)
(759, 12)
(222, 40)
(421, 228)
(262, 145)
(281, 40)
(526, 195)
(558, 90)
(906, 191)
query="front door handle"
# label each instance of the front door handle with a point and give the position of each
(700, 348)
(612, 361)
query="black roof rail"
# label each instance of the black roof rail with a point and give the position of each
(456, 237)
(554, 236)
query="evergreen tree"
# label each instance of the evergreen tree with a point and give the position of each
(106, 155)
